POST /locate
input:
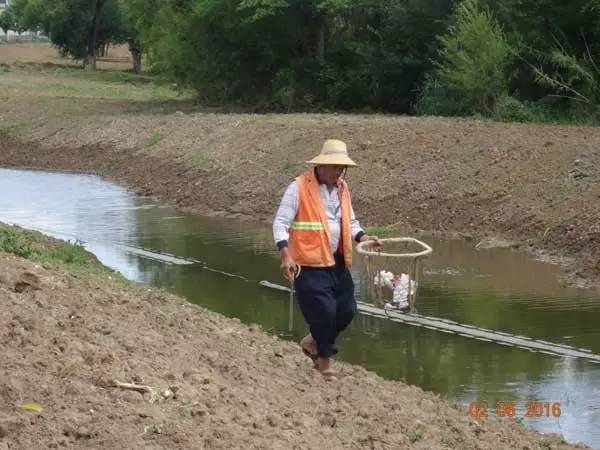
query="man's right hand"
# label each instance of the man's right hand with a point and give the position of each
(288, 265)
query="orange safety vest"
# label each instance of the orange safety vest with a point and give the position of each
(309, 233)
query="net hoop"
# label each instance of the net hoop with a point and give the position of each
(360, 248)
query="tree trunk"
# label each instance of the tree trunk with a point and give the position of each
(135, 48)
(93, 37)
(321, 42)
(137, 62)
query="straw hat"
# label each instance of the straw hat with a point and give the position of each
(333, 152)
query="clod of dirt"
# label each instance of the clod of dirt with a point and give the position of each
(9, 425)
(18, 280)
(328, 420)
(27, 281)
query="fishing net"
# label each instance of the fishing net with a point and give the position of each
(389, 275)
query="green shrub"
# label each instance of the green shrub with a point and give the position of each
(69, 253)
(575, 79)
(509, 109)
(153, 139)
(471, 71)
(16, 242)
(35, 246)
(434, 99)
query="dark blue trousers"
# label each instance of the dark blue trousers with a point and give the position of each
(326, 299)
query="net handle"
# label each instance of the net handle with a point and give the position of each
(360, 248)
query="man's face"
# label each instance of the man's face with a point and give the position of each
(329, 174)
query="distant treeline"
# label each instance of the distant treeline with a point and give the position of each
(523, 60)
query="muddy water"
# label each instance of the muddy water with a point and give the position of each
(498, 289)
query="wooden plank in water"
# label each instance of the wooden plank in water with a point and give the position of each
(483, 334)
(163, 257)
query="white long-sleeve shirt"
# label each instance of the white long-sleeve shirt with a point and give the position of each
(288, 209)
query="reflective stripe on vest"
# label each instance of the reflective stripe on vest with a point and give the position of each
(308, 226)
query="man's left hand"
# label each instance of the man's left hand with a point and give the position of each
(375, 239)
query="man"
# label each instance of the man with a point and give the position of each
(313, 229)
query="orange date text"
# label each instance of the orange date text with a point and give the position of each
(533, 409)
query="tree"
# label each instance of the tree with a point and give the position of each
(294, 54)
(7, 21)
(132, 14)
(77, 27)
(92, 39)
(389, 46)
(574, 74)
(471, 71)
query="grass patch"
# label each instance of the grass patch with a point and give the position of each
(7, 131)
(44, 67)
(199, 160)
(24, 40)
(4, 132)
(37, 247)
(382, 231)
(153, 139)
(95, 90)
(115, 76)
(289, 165)
(58, 81)
(103, 75)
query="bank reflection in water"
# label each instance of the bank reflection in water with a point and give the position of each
(77, 208)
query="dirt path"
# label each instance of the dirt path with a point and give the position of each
(66, 339)
(42, 53)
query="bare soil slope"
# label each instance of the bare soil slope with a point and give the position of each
(66, 340)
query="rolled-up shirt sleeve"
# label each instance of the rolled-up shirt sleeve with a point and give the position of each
(288, 208)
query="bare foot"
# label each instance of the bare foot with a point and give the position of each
(309, 348)
(324, 366)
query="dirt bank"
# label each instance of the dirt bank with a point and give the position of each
(537, 185)
(67, 338)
